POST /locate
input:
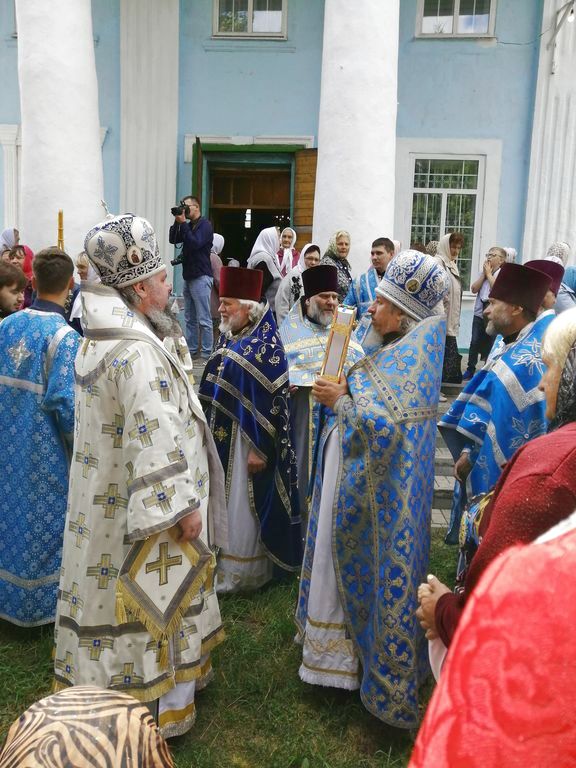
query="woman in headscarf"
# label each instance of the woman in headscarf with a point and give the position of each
(291, 288)
(83, 726)
(216, 264)
(536, 490)
(337, 255)
(264, 256)
(287, 255)
(449, 247)
(9, 237)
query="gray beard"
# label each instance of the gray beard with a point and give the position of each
(490, 329)
(165, 323)
(322, 318)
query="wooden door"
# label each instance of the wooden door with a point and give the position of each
(304, 186)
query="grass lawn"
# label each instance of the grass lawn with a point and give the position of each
(256, 712)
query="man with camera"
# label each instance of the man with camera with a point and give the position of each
(195, 233)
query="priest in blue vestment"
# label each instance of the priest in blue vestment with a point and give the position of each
(501, 407)
(368, 539)
(245, 394)
(304, 333)
(37, 352)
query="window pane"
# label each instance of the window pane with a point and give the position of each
(233, 16)
(474, 17)
(438, 17)
(446, 174)
(460, 217)
(267, 16)
(426, 211)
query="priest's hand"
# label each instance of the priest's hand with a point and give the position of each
(328, 392)
(190, 526)
(463, 467)
(255, 463)
(428, 596)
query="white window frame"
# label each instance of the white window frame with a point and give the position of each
(488, 191)
(458, 35)
(282, 35)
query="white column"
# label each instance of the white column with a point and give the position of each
(357, 125)
(9, 141)
(551, 205)
(61, 156)
(149, 112)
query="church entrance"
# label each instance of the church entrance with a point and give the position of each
(244, 200)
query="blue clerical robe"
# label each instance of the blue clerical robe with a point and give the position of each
(37, 352)
(499, 410)
(382, 509)
(245, 386)
(361, 294)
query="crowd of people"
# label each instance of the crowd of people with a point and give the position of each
(139, 496)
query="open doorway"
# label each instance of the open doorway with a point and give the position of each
(245, 200)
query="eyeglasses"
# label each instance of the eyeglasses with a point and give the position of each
(492, 255)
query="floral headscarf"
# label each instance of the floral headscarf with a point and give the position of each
(566, 398)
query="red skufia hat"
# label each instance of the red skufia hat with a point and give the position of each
(518, 284)
(240, 283)
(554, 271)
(320, 279)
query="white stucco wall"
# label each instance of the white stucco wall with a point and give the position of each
(61, 156)
(357, 125)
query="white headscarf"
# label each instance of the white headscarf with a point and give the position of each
(511, 254)
(301, 266)
(217, 243)
(265, 250)
(285, 254)
(558, 252)
(7, 239)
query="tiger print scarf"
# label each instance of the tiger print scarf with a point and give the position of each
(85, 726)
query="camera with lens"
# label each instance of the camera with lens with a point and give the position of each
(178, 260)
(178, 210)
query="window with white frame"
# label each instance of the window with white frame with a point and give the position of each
(446, 194)
(456, 18)
(250, 18)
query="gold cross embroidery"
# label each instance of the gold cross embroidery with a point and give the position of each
(176, 455)
(80, 529)
(123, 366)
(143, 429)
(201, 480)
(155, 645)
(111, 501)
(183, 636)
(115, 430)
(85, 458)
(126, 314)
(127, 676)
(19, 353)
(91, 391)
(75, 601)
(160, 385)
(163, 564)
(96, 645)
(103, 571)
(65, 666)
(160, 497)
(220, 434)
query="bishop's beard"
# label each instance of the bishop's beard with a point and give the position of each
(165, 322)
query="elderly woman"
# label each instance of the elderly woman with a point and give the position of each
(337, 255)
(287, 255)
(449, 247)
(264, 256)
(291, 289)
(536, 489)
